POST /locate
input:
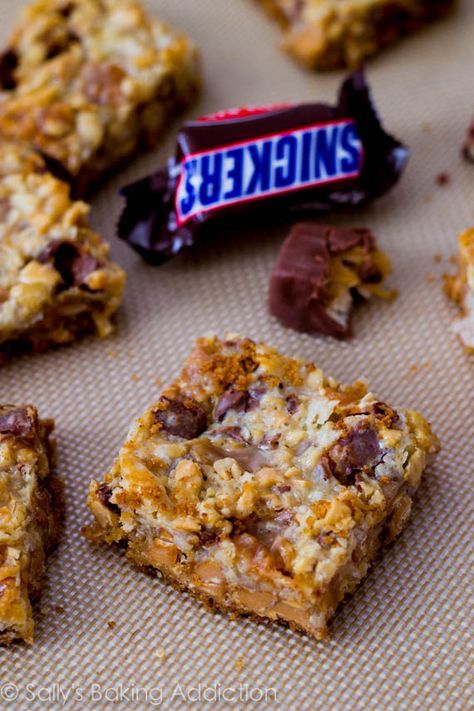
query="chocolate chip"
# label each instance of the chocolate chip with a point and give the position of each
(104, 492)
(17, 421)
(181, 419)
(230, 400)
(254, 397)
(82, 266)
(67, 10)
(61, 45)
(56, 168)
(358, 450)
(8, 64)
(207, 538)
(292, 404)
(67, 258)
(283, 488)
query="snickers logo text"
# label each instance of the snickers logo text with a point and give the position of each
(268, 165)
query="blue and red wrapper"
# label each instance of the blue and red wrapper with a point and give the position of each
(268, 160)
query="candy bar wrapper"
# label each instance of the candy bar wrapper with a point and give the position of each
(285, 157)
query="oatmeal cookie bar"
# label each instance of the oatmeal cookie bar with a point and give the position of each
(325, 34)
(320, 272)
(30, 515)
(56, 278)
(261, 486)
(88, 82)
(460, 288)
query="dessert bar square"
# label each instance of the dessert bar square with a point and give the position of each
(89, 82)
(325, 34)
(460, 288)
(321, 270)
(30, 515)
(57, 281)
(261, 486)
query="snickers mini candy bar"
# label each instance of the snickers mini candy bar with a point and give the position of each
(305, 157)
(319, 272)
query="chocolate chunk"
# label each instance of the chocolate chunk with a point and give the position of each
(207, 538)
(8, 64)
(68, 259)
(292, 404)
(61, 45)
(358, 450)
(18, 421)
(254, 397)
(230, 400)
(67, 10)
(300, 295)
(82, 266)
(249, 458)
(181, 419)
(104, 492)
(56, 168)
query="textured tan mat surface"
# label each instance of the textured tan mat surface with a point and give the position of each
(402, 641)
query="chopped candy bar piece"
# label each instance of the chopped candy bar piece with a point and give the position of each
(319, 271)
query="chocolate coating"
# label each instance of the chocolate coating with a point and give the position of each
(300, 278)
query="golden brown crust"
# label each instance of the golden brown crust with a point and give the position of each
(260, 484)
(30, 517)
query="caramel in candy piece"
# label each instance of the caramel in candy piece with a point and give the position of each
(318, 273)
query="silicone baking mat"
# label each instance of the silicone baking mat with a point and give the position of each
(108, 633)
